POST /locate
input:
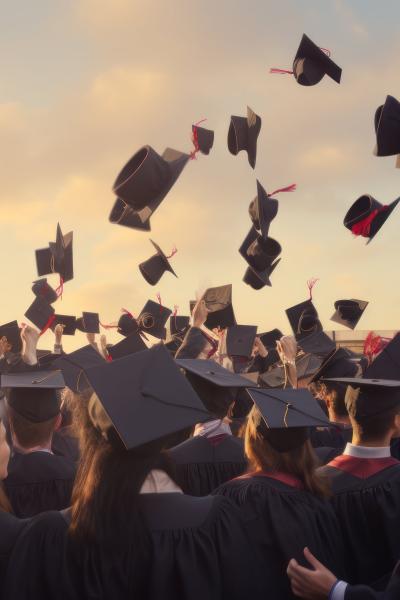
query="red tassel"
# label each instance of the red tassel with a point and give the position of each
(374, 344)
(289, 188)
(281, 71)
(59, 290)
(327, 52)
(173, 252)
(109, 325)
(48, 324)
(126, 312)
(363, 227)
(109, 358)
(159, 301)
(195, 140)
(310, 284)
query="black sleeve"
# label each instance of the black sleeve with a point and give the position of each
(193, 344)
(361, 592)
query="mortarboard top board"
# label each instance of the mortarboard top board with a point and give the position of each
(39, 313)
(154, 267)
(239, 340)
(153, 318)
(129, 345)
(88, 323)
(127, 324)
(73, 365)
(219, 302)
(387, 364)
(269, 338)
(349, 312)
(34, 394)
(68, 321)
(369, 397)
(260, 254)
(145, 396)
(178, 324)
(303, 319)
(387, 128)
(243, 134)
(311, 63)
(43, 289)
(13, 334)
(337, 364)
(274, 378)
(317, 343)
(307, 365)
(212, 372)
(46, 358)
(203, 139)
(43, 380)
(366, 216)
(282, 409)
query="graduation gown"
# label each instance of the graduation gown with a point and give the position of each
(10, 528)
(202, 464)
(199, 551)
(366, 500)
(39, 481)
(362, 592)
(66, 444)
(281, 519)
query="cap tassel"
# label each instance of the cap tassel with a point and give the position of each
(310, 284)
(159, 301)
(109, 325)
(60, 289)
(49, 323)
(174, 314)
(126, 312)
(374, 344)
(280, 71)
(195, 140)
(363, 227)
(327, 52)
(173, 252)
(289, 188)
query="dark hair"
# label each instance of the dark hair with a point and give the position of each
(216, 399)
(30, 434)
(299, 461)
(338, 394)
(375, 426)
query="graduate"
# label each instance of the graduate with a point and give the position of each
(213, 455)
(366, 480)
(130, 531)
(282, 497)
(38, 480)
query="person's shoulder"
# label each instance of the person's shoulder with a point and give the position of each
(10, 529)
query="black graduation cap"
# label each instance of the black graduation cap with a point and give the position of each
(263, 210)
(282, 409)
(58, 257)
(303, 319)
(218, 301)
(203, 139)
(387, 128)
(269, 338)
(40, 313)
(73, 366)
(178, 324)
(366, 216)
(88, 323)
(311, 63)
(33, 394)
(145, 397)
(43, 289)
(46, 358)
(68, 321)
(142, 185)
(127, 324)
(239, 340)
(307, 365)
(369, 397)
(318, 343)
(387, 364)
(337, 364)
(153, 318)
(13, 334)
(212, 372)
(242, 135)
(154, 267)
(261, 254)
(129, 345)
(349, 312)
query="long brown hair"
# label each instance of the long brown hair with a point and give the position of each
(298, 459)
(5, 505)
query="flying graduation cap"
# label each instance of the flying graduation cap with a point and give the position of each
(238, 340)
(40, 287)
(203, 139)
(12, 333)
(243, 134)
(311, 63)
(57, 258)
(261, 254)
(154, 267)
(88, 322)
(218, 301)
(387, 129)
(366, 216)
(349, 312)
(153, 319)
(142, 185)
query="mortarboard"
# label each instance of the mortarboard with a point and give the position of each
(88, 323)
(242, 135)
(13, 334)
(127, 324)
(349, 312)
(203, 139)
(317, 343)
(337, 364)
(387, 128)
(58, 257)
(142, 185)
(212, 372)
(40, 313)
(144, 397)
(387, 364)
(219, 303)
(239, 340)
(129, 345)
(33, 394)
(260, 254)
(153, 318)
(303, 319)
(154, 267)
(366, 216)
(73, 365)
(178, 324)
(43, 289)
(263, 210)
(369, 397)
(269, 338)
(311, 63)
(69, 323)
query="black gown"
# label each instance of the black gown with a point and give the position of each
(199, 551)
(367, 502)
(362, 592)
(39, 481)
(10, 529)
(66, 444)
(202, 464)
(281, 519)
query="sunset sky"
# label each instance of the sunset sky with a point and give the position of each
(85, 83)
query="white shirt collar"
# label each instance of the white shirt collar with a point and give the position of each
(212, 428)
(158, 482)
(366, 451)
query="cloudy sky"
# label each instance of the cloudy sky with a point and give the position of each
(85, 83)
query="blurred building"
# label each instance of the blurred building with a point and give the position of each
(354, 340)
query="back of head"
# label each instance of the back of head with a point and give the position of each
(216, 399)
(337, 394)
(373, 411)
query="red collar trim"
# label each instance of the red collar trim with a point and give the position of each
(215, 440)
(286, 478)
(362, 467)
